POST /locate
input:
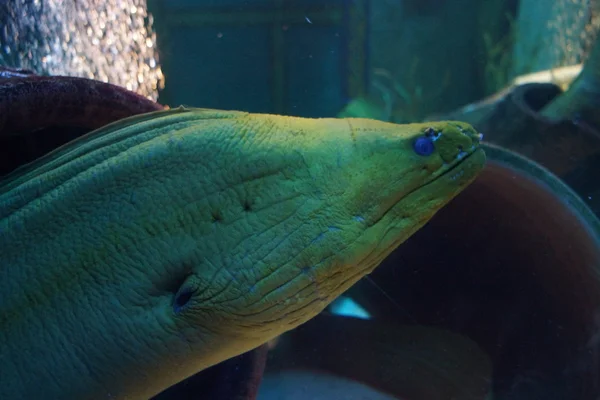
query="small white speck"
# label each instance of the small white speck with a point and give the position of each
(457, 175)
(589, 197)
(307, 19)
(358, 218)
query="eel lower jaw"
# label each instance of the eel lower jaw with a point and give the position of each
(399, 222)
(456, 171)
(463, 161)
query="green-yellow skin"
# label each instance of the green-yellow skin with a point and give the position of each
(257, 221)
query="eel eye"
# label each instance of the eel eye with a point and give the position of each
(423, 146)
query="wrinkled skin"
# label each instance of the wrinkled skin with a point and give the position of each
(163, 244)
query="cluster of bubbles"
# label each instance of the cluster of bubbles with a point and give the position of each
(573, 30)
(108, 40)
(552, 34)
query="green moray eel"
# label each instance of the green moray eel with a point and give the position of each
(165, 243)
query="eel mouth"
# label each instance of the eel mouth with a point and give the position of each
(463, 171)
(450, 183)
(465, 164)
(467, 160)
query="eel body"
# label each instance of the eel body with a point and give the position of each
(162, 244)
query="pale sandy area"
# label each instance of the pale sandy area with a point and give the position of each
(312, 385)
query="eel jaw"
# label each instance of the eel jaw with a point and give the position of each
(400, 221)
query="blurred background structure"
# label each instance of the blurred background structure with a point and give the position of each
(399, 60)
